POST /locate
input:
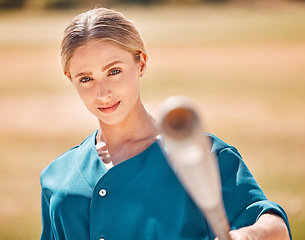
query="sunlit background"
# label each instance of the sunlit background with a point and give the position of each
(243, 63)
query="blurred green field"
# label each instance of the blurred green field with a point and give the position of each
(243, 64)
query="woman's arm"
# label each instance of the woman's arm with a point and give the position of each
(268, 227)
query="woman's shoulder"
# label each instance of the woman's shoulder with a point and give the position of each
(67, 161)
(219, 145)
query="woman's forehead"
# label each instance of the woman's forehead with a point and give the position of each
(99, 54)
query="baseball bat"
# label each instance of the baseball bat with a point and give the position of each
(188, 151)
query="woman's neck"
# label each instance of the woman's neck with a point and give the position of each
(129, 137)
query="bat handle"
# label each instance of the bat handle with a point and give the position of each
(218, 221)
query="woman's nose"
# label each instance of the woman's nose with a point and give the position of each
(104, 92)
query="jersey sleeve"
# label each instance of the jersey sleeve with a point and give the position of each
(244, 200)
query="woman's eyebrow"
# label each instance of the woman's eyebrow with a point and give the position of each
(103, 69)
(83, 74)
(110, 65)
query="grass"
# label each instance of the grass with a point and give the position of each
(244, 65)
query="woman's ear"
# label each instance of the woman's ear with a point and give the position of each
(68, 76)
(142, 63)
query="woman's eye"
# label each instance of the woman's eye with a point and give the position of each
(114, 72)
(85, 79)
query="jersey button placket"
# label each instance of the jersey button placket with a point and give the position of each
(102, 193)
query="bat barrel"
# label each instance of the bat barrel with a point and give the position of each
(179, 123)
(179, 118)
(188, 151)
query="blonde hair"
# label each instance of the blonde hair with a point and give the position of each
(100, 24)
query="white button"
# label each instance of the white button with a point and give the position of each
(102, 193)
(102, 239)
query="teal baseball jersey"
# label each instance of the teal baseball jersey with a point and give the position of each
(140, 198)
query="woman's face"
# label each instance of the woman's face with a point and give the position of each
(106, 78)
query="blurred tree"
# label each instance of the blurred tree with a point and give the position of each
(62, 4)
(176, 1)
(142, 1)
(11, 4)
(216, 1)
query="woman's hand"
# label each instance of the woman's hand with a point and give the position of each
(268, 227)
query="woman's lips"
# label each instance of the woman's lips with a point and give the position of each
(110, 108)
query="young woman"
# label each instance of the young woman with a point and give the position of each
(117, 183)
